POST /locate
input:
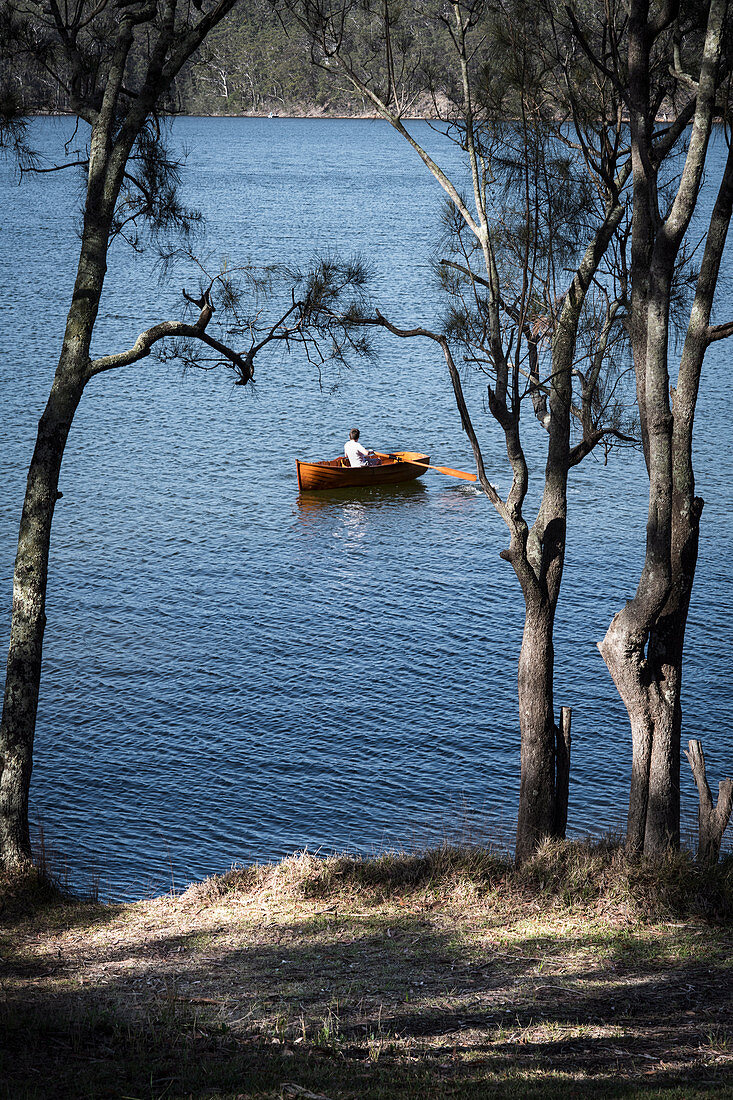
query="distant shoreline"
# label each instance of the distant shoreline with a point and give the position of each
(308, 115)
(312, 114)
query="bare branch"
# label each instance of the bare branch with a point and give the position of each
(719, 332)
(591, 441)
(146, 341)
(37, 170)
(610, 74)
(684, 78)
(466, 421)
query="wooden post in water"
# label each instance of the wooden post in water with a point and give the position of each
(562, 771)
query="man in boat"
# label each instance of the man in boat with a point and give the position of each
(356, 454)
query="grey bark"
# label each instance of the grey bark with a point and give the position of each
(643, 647)
(712, 818)
(536, 816)
(23, 676)
(28, 623)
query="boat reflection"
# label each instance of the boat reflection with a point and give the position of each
(380, 496)
(327, 504)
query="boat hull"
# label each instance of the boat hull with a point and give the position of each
(332, 474)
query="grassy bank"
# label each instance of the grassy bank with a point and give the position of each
(442, 975)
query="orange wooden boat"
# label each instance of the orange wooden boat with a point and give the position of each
(335, 473)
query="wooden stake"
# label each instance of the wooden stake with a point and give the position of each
(562, 771)
(712, 821)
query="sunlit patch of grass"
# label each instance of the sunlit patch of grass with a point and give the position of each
(563, 875)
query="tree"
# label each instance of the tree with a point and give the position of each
(116, 61)
(546, 166)
(673, 57)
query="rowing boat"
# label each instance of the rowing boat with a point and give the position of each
(336, 473)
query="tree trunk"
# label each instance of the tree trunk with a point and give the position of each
(665, 649)
(118, 98)
(643, 647)
(22, 683)
(536, 819)
(651, 714)
(29, 621)
(648, 675)
(662, 826)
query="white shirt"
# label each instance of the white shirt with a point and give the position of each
(355, 453)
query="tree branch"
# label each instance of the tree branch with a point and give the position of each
(590, 54)
(167, 329)
(440, 339)
(719, 332)
(55, 168)
(579, 452)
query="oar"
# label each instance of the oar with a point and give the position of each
(447, 470)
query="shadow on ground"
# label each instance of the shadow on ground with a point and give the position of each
(379, 1005)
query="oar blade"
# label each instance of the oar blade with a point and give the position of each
(449, 472)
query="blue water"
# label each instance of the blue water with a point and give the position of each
(232, 672)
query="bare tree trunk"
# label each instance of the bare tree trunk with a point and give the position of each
(665, 652)
(536, 818)
(28, 623)
(623, 651)
(662, 826)
(22, 684)
(644, 652)
(653, 821)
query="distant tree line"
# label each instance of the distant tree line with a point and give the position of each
(254, 62)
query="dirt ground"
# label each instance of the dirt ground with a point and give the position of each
(446, 978)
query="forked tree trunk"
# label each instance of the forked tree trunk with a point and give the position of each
(650, 689)
(650, 827)
(648, 675)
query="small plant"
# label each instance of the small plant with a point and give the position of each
(280, 1026)
(329, 1033)
(719, 1038)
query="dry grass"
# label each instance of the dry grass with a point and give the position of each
(446, 974)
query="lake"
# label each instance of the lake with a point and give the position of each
(233, 673)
